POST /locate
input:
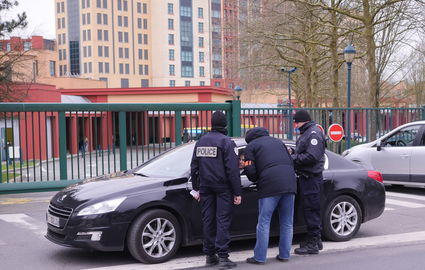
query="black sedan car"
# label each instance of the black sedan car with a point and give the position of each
(150, 211)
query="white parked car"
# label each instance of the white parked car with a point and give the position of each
(399, 155)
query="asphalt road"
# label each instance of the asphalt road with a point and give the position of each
(396, 240)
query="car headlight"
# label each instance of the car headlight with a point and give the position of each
(346, 152)
(101, 207)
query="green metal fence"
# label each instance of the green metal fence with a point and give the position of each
(48, 146)
(367, 124)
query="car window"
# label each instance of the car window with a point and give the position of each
(174, 163)
(403, 137)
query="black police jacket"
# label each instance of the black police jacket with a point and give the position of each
(215, 164)
(272, 167)
(309, 156)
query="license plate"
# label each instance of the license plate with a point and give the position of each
(53, 220)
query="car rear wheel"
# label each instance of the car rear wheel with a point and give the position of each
(342, 219)
(154, 237)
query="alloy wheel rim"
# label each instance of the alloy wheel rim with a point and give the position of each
(344, 218)
(158, 237)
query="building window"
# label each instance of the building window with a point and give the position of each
(200, 13)
(105, 19)
(100, 67)
(201, 71)
(98, 3)
(59, 23)
(124, 83)
(120, 36)
(85, 68)
(140, 69)
(201, 42)
(60, 55)
(139, 38)
(89, 51)
(106, 67)
(201, 57)
(186, 11)
(64, 54)
(121, 68)
(64, 39)
(120, 21)
(99, 18)
(145, 8)
(58, 7)
(172, 70)
(139, 23)
(89, 35)
(105, 3)
(145, 83)
(171, 54)
(63, 23)
(88, 17)
(27, 46)
(90, 67)
(146, 54)
(139, 7)
(202, 83)
(217, 84)
(119, 4)
(146, 70)
(140, 54)
(145, 39)
(125, 21)
(170, 8)
(127, 68)
(170, 39)
(125, 5)
(100, 51)
(187, 56)
(106, 51)
(52, 68)
(200, 27)
(172, 83)
(187, 71)
(60, 70)
(63, 6)
(84, 19)
(120, 52)
(99, 34)
(105, 35)
(145, 24)
(170, 24)
(186, 83)
(125, 37)
(127, 53)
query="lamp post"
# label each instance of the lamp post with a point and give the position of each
(349, 54)
(238, 91)
(289, 71)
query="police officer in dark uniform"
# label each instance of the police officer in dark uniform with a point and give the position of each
(309, 160)
(216, 176)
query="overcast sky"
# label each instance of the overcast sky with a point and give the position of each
(41, 17)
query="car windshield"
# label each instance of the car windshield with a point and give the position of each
(174, 163)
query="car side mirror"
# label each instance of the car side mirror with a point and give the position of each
(379, 146)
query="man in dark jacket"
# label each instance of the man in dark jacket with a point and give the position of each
(271, 167)
(216, 176)
(309, 160)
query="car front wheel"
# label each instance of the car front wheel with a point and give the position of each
(154, 237)
(342, 219)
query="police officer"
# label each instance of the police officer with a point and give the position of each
(216, 176)
(309, 160)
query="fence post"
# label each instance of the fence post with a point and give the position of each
(123, 140)
(423, 112)
(178, 127)
(234, 122)
(62, 147)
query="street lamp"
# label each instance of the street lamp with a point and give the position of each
(289, 71)
(349, 54)
(238, 91)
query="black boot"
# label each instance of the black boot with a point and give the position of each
(319, 244)
(311, 247)
(225, 263)
(211, 260)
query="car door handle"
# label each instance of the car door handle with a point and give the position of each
(404, 155)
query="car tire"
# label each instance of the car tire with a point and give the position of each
(151, 243)
(342, 219)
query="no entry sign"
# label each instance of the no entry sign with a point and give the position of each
(321, 128)
(335, 132)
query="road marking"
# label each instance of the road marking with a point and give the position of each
(10, 201)
(357, 243)
(404, 203)
(407, 196)
(388, 209)
(26, 222)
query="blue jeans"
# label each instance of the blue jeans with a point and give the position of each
(266, 207)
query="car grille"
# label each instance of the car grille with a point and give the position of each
(61, 212)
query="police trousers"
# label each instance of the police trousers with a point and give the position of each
(309, 187)
(217, 206)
